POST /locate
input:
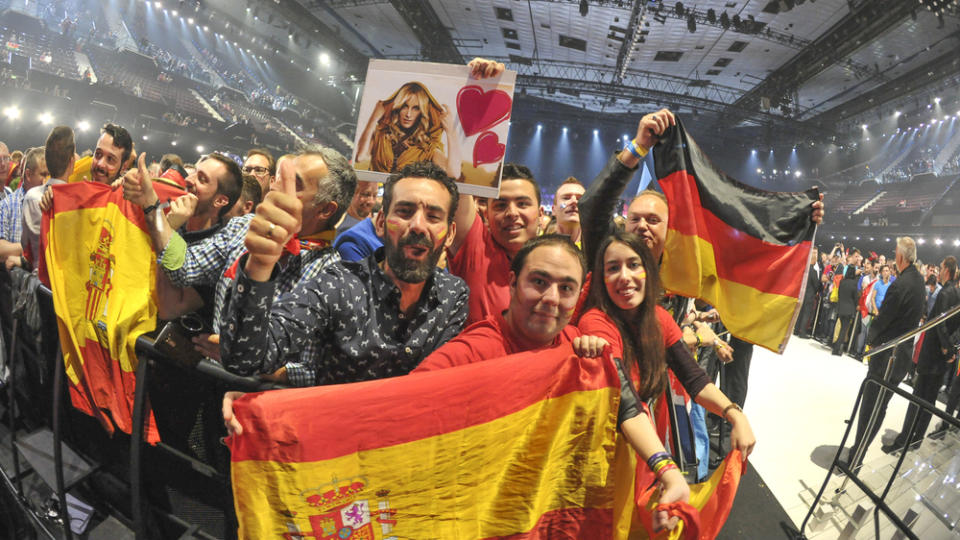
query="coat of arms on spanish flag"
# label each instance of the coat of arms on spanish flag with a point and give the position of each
(741, 249)
(102, 271)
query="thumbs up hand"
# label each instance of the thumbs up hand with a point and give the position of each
(278, 218)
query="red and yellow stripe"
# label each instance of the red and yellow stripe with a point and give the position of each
(519, 447)
(754, 284)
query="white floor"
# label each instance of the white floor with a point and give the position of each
(797, 403)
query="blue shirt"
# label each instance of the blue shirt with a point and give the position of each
(358, 242)
(881, 289)
(10, 224)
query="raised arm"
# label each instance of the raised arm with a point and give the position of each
(602, 196)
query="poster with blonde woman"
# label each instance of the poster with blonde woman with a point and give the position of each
(418, 111)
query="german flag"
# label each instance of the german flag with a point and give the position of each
(521, 447)
(102, 271)
(743, 250)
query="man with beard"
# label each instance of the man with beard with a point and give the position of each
(361, 205)
(260, 163)
(378, 317)
(212, 190)
(566, 208)
(113, 150)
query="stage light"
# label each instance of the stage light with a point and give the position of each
(753, 151)
(921, 241)
(156, 5)
(205, 28)
(12, 112)
(248, 10)
(956, 242)
(625, 136)
(189, 20)
(938, 241)
(896, 114)
(564, 129)
(936, 100)
(797, 174)
(173, 143)
(200, 149)
(46, 118)
(596, 132)
(888, 239)
(774, 171)
(539, 127)
(858, 239)
(759, 171)
(174, 13)
(325, 59)
(83, 125)
(863, 126)
(145, 138)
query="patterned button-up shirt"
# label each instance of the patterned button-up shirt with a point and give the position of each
(207, 263)
(10, 223)
(350, 315)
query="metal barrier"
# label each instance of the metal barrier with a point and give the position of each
(856, 454)
(141, 510)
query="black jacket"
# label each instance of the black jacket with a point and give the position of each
(598, 204)
(847, 296)
(902, 308)
(932, 359)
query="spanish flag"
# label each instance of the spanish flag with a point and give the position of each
(741, 249)
(102, 271)
(520, 447)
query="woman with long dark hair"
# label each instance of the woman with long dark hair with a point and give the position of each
(622, 308)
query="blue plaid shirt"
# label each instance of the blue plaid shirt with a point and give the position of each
(207, 262)
(10, 224)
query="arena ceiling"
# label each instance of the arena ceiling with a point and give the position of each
(797, 64)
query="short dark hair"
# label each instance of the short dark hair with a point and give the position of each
(121, 139)
(515, 171)
(59, 150)
(252, 190)
(423, 169)
(950, 262)
(230, 185)
(931, 280)
(169, 160)
(271, 161)
(561, 240)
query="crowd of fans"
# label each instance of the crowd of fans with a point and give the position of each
(854, 301)
(431, 280)
(422, 278)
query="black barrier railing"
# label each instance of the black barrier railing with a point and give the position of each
(850, 471)
(142, 511)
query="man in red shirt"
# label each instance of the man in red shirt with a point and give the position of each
(545, 278)
(481, 254)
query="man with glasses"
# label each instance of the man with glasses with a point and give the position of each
(259, 163)
(34, 174)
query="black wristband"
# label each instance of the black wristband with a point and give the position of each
(151, 208)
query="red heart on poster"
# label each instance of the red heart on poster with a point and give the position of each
(488, 149)
(479, 110)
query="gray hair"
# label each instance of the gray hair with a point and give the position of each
(33, 157)
(339, 183)
(907, 248)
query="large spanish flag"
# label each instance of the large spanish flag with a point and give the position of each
(102, 271)
(519, 447)
(743, 250)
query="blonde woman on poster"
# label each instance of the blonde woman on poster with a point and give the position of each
(407, 127)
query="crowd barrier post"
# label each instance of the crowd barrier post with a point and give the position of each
(58, 375)
(857, 453)
(853, 464)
